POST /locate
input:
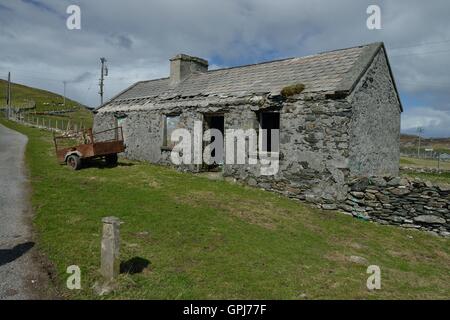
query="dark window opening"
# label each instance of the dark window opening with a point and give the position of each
(270, 121)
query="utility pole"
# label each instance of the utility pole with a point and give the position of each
(103, 74)
(419, 131)
(8, 95)
(439, 160)
(64, 103)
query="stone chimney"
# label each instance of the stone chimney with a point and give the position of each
(182, 66)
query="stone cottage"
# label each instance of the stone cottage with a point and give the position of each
(344, 121)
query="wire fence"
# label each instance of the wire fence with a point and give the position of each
(44, 122)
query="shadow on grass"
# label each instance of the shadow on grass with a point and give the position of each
(134, 265)
(101, 164)
(9, 255)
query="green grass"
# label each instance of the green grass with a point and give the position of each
(46, 101)
(423, 163)
(439, 147)
(443, 177)
(212, 239)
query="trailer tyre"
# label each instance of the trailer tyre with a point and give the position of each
(74, 162)
(111, 159)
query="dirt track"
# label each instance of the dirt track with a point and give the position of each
(21, 277)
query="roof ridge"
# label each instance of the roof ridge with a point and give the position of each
(353, 47)
(291, 58)
(157, 79)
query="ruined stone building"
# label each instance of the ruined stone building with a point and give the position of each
(344, 121)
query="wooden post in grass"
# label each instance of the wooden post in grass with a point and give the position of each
(110, 263)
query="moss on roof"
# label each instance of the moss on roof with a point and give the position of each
(292, 90)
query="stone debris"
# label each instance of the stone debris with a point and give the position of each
(358, 260)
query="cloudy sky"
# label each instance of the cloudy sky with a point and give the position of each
(139, 36)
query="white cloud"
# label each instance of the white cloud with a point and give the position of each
(139, 36)
(434, 122)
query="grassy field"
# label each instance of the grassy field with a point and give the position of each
(423, 163)
(46, 101)
(443, 177)
(213, 239)
(439, 178)
(409, 144)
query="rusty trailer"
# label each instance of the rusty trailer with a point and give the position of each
(74, 147)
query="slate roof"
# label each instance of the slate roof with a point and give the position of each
(334, 71)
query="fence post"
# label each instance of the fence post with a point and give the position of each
(110, 261)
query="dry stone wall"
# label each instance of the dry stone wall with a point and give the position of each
(399, 201)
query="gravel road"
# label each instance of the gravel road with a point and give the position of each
(20, 275)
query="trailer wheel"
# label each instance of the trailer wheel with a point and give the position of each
(111, 159)
(74, 162)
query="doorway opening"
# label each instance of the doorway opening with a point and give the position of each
(214, 121)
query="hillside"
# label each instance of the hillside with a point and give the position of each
(410, 142)
(24, 96)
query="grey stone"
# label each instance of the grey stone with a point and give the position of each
(429, 219)
(360, 185)
(358, 260)
(329, 206)
(357, 194)
(346, 207)
(400, 191)
(110, 248)
(378, 181)
(369, 196)
(428, 184)
(252, 182)
(104, 288)
(444, 187)
(410, 226)
(394, 181)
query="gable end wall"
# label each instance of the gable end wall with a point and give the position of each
(375, 124)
